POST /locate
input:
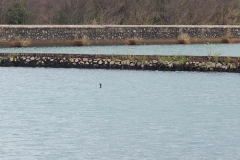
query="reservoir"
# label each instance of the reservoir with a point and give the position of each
(48, 113)
(168, 49)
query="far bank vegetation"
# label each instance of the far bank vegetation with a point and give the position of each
(121, 12)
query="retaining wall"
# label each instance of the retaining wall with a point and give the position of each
(114, 32)
(134, 62)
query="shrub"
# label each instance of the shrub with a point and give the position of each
(17, 14)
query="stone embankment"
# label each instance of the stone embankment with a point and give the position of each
(69, 35)
(134, 62)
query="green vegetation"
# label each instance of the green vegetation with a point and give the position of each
(11, 56)
(227, 60)
(122, 12)
(179, 58)
(17, 13)
(216, 58)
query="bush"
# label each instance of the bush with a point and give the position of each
(17, 14)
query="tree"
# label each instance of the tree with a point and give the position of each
(17, 13)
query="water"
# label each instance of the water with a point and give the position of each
(63, 114)
(173, 49)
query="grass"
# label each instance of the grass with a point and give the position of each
(19, 42)
(216, 57)
(183, 38)
(127, 57)
(181, 59)
(227, 60)
(227, 38)
(210, 48)
(11, 56)
(25, 43)
(84, 41)
(134, 41)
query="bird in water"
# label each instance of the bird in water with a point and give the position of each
(100, 85)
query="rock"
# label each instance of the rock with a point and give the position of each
(218, 65)
(224, 67)
(146, 63)
(126, 62)
(176, 63)
(213, 64)
(170, 65)
(132, 64)
(232, 66)
(154, 61)
(81, 62)
(11, 59)
(85, 59)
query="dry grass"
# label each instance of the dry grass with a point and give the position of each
(183, 38)
(134, 41)
(19, 42)
(84, 41)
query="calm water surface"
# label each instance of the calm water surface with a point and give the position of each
(63, 114)
(174, 49)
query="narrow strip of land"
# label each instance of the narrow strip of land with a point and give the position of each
(127, 62)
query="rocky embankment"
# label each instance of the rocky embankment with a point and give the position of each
(134, 62)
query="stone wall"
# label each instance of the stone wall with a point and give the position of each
(135, 62)
(98, 32)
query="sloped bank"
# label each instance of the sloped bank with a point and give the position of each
(78, 35)
(131, 62)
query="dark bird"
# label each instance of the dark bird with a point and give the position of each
(100, 85)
